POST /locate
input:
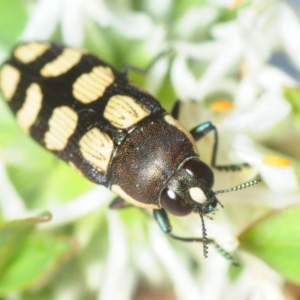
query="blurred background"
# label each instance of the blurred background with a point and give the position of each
(235, 63)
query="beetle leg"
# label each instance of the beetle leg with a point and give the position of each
(162, 219)
(118, 203)
(126, 67)
(175, 110)
(200, 131)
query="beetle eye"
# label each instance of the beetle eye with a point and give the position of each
(199, 169)
(174, 204)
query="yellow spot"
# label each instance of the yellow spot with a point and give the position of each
(244, 69)
(90, 86)
(27, 114)
(197, 194)
(9, 79)
(118, 190)
(27, 53)
(276, 161)
(235, 4)
(97, 147)
(62, 125)
(123, 111)
(63, 63)
(221, 105)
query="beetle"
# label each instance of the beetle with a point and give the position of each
(112, 132)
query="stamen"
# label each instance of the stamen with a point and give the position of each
(221, 105)
(235, 4)
(276, 161)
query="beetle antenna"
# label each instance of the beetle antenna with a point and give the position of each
(204, 237)
(220, 203)
(238, 187)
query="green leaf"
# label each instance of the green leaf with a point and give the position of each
(37, 258)
(13, 17)
(8, 125)
(293, 96)
(13, 235)
(276, 240)
(101, 46)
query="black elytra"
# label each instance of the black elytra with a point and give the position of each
(112, 132)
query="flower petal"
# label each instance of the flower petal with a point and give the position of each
(280, 178)
(290, 32)
(43, 21)
(276, 171)
(218, 68)
(72, 19)
(264, 113)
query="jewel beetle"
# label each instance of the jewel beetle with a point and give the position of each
(112, 132)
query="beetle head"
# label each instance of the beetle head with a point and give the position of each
(189, 189)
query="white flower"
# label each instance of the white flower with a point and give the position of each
(71, 15)
(238, 88)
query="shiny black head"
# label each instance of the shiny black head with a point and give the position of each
(189, 190)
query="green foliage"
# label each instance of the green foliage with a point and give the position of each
(26, 257)
(13, 17)
(292, 94)
(276, 240)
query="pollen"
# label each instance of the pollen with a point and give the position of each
(221, 105)
(235, 3)
(276, 161)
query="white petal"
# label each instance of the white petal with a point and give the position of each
(222, 3)
(72, 21)
(264, 113)
(64, 213)
(157, 37)
(133, 25)
(245, 150)
(43, 21)
(177, 271)
(156, 75)
(246, 92)
(93, 274)
(258, 32)
(207, 50)
(146, 262)
(183, 80)
(12, 205)
(271, 78)
(194, 19)
(66, 291)
(257, 282)
(224, 31)
(159, 9)
(98, 11)
(119, 281)
(214, 274)
(229, 56)
(290, 32)
(279, 179)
